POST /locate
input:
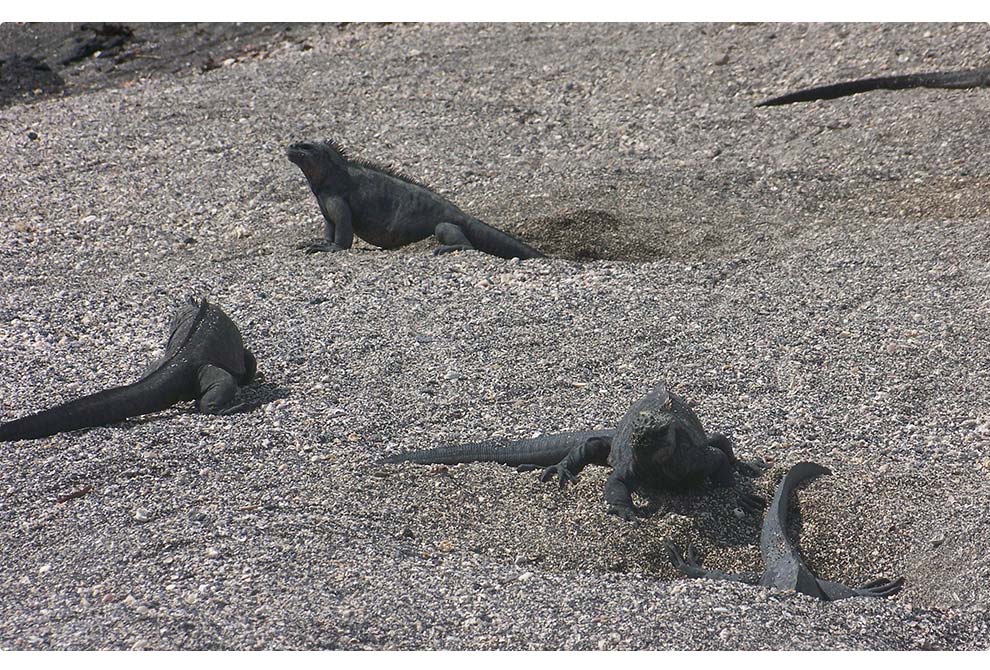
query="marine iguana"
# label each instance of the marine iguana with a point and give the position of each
(388, 209)
(204, 360)
(979, 78)
(658, 443)
(783, 568)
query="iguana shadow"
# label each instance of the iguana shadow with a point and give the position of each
(714, 513)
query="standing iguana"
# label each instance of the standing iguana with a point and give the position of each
(957, 79)
(204, 360)
(659, 443)
(783, 568)
(388, 209)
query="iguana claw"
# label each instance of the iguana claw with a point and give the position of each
(688, 564)
(751, 502)
(753, 468)
(317, 247)
(880, 588)
(233, 409)
(564, 476)
(448, 248)
(624, 512)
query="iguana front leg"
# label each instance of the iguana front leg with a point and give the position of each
(724, 463)
(338, 230)
(618, 494)
(593, 451)
(451, 238)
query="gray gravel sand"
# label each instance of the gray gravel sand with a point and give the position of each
(813, 278)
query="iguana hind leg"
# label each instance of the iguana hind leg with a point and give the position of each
(689, 565)
(880, 588)
(217, 389)
(877, 588)
(451, 238)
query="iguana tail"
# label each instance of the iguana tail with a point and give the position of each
(797, 474)
(154, 393)
(497, 243)
(544, 450)
(956, 79)
(784, 568)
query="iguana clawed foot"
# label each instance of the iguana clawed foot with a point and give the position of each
(447, 248)
(687, 564)
(880, 588)
(564, 476)
(624, 512)
(751, 502)
(233, 409)
(751, 468)
(317, 247)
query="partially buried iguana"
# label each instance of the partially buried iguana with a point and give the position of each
(783, 567)
(204, 360)
(979, 78)
(388, 209)
(659, 443)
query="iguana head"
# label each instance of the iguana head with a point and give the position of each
(654, 435)
(654, 427)
(316, 159)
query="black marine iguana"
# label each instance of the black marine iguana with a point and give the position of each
(388, 209)
(783, 568)
(659, 443)
(956, 79)
(204, 359)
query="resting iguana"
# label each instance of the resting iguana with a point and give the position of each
(204, 359)
(956, 79)
(388, 209)
(659, 443)
(783, 568)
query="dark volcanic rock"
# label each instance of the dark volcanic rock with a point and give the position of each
(105, 39)
(22, 75)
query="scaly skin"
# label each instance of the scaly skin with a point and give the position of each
(957, 79)
(659, 443)
(536, 452)
(204, 360)
(388, 209)
(783, 567)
